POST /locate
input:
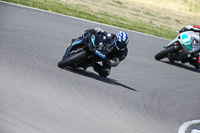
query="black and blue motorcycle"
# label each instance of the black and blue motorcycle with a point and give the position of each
(84, 51)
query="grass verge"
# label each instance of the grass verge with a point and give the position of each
(83, 11)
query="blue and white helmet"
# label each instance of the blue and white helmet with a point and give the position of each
(122, 40)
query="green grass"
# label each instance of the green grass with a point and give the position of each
(99, 16)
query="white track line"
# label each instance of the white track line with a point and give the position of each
(185, 125)
(83, 20)
(195, 131)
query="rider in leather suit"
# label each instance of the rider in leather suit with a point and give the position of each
(194, 62)
(118, 49)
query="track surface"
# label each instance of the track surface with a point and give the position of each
(140, 96)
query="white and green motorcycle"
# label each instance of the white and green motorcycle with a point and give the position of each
(185, 45)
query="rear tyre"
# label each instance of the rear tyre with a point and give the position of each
(162, 54)
(70, 61)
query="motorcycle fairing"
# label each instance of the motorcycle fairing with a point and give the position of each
(173, 41)
(94, 43)
(71, 45)
(100, 44)
(186, 41)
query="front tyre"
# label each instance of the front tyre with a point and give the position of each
(164, 53)
(70, 61)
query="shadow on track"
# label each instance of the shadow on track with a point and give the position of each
(97, 77)
(190, 68)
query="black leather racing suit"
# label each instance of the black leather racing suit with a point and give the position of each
(113, 58)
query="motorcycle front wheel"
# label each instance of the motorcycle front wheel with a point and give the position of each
(71, 60)
(164, 53)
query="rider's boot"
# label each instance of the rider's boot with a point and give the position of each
(105, 72)
(101, 70)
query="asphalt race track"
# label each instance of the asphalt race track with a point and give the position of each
(141, 95)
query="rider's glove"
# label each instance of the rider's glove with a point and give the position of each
(98, 30)
(86, 32)
(91, 31)
(95, 30)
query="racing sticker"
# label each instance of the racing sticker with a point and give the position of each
(186, 41)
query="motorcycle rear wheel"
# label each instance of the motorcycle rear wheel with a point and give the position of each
(70, 61)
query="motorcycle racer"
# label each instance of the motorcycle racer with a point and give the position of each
(195, 41)
(117, 47)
